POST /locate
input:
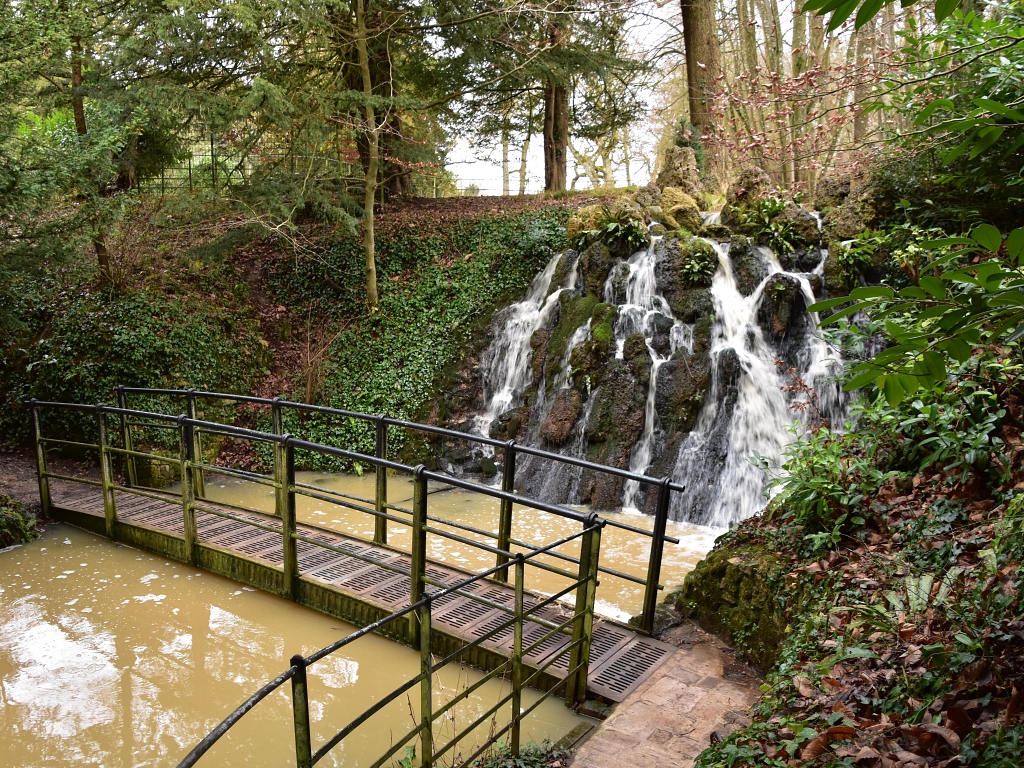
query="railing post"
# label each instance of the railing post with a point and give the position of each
(426, 689)
(380, 526)
(277, 427)
(198, 477)
(583, 623)
(517, 657)
(508, 479)
(418, 564)
(126, 438)
(44, 481)
(285, 502)
(300, 714)
(657, 550)
(188, 489)
(106, 477)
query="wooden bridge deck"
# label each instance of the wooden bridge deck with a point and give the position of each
(361, 592)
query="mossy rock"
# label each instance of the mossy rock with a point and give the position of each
(718, 232)
(637, 357)
(509, 424)
(595, 263)
(739, 593)
(696, 250)
(539, 347)
(573, 311)
(749, 268)
(692, 304)
(584, 220)
(562, 269)
(801, 222)
(682, 386)
(680, 210)
(783, 300)
(588, 360)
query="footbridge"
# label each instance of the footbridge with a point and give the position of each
(489, 619)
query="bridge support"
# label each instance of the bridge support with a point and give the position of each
(380, 524)
(300, 713)
(188, 489)
(657, 551)
(285, 502)
(508, 480)
(44, 480)
(583, 623)
(106, 476)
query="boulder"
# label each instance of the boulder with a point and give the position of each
(595, 264)
(539, 347)
(661, 338)
(804, 260)
(749, 267)
(656, 212)
(831, 191)
(680, 210)
(863, 209)
(682, 386)
(509, 424)
(691, 304)
(562, 270)
(752, 184)
(637, 357)
(648, 196)
(679, 170)
(781, 302)
(584, 220)
(803, 223)
(562, 416)
(717, 232)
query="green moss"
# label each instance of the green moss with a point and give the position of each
(17, 524)
(573, 311)
(739, 592)
(696, 263)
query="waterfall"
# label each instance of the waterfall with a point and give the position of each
(745, 412)
(506, 364)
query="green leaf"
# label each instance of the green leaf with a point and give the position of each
(934, 286)
(986, 139)
(1014, 147)
(987, 236)
(908, 382)
(1015, 244)
(842, 13)
(943, 8)
(867, 12)
(935, 364)
(929, 110)
(873, 292)
(945, 242)
(861, 380)
(821, 306)
(844, 313)
(958, 349)
(950, 155)
(1000, 109)
(890, 386)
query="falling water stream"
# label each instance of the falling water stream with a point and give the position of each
(746, 413)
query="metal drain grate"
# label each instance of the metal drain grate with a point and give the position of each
(394, 594)
(628, 667)
(311, 557)
(339, 570)
(368, 579)
(462, 613)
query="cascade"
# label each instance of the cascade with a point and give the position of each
(506, 364)
(745, 411)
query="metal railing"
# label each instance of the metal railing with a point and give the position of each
(424, 590)
(509, 450)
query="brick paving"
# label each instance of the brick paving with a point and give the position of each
(669, 719)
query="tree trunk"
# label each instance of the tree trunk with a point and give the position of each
(373, 160)
(504, 161)
(703, 61)
(863, 89)
(556, 136)
(99, 240)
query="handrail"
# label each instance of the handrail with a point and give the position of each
(483, 439)
(288, 444)
(424, 591)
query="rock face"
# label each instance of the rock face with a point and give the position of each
(802, 222)
(648, 196)
(749, 267)
(680, 170)
(863, 209)
(831, 191)
(680, 210)
(751, 185)
(595, 264)
(783, 301)
(561, 418)
(585, 220)
(616, 421)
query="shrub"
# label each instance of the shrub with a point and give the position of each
(17, 525)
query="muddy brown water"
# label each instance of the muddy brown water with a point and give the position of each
(115, 657)
(621, 550)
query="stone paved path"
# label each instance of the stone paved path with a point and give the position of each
(669, 719)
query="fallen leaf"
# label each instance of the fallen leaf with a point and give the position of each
(947, 734)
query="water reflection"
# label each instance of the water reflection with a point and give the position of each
(110, 656)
